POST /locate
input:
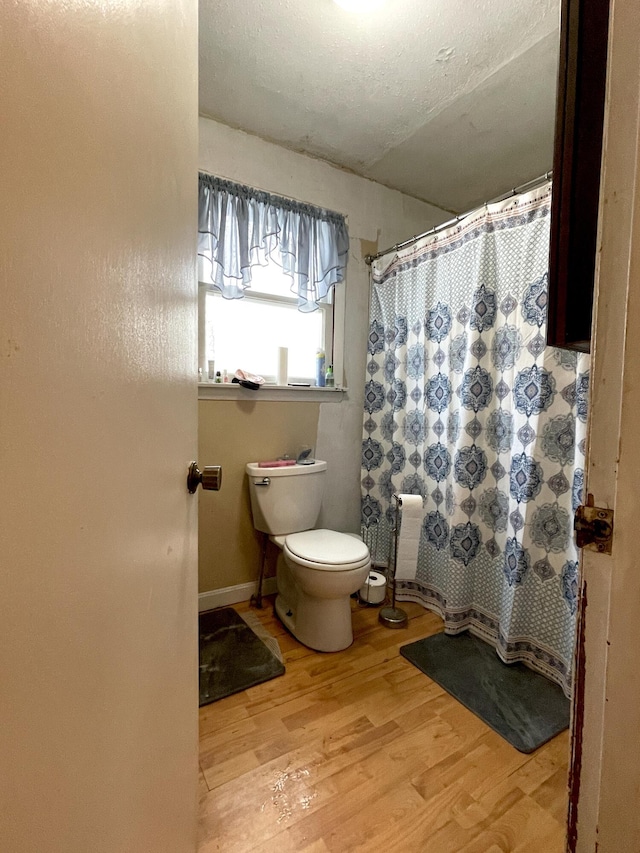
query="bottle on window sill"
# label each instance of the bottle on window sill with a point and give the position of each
(218, 377)
(320, 369)
(225, 376)
(329, 379)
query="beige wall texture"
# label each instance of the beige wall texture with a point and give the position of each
(377, 217)
(234, 432)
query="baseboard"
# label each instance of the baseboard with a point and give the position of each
(233, 594)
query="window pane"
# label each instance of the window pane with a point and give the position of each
(246, 334)
(272, 280)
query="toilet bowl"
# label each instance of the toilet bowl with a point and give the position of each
(318, 570)
(326, 567)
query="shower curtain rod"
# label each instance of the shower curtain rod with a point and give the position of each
(528, 185)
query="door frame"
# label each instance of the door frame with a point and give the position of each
(605, 774)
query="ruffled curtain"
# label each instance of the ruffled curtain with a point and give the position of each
(239, 228)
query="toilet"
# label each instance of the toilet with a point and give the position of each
(319, 569)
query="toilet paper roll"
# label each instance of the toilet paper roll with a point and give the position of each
(374, 589)
(409, 537)
(282, 377)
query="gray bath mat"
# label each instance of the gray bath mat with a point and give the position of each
(232, 656)
(520, 705)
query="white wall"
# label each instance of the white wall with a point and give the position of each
(377, 218)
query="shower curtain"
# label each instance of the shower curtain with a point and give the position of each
(467, 406)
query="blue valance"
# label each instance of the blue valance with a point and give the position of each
(239, 227)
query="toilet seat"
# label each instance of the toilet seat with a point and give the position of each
(327, 550)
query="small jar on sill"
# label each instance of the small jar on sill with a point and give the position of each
(329, 379)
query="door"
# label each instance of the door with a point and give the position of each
(98, 593)
(605, 779)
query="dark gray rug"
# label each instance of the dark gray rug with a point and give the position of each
(522, 706)
(232, 656)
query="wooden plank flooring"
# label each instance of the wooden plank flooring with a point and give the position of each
(359, 751)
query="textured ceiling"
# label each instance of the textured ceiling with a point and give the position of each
(451, 101)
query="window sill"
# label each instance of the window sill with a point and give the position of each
(268, 393)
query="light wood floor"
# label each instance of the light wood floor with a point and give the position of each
(358, 750)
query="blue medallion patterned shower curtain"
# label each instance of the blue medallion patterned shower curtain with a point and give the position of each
(467, 406)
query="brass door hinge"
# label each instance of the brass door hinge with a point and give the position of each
(594, 527)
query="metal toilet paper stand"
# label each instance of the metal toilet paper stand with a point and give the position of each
(394, 617)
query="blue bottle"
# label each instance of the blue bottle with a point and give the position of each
(320, 369)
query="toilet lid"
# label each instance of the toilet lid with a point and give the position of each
(327, 547)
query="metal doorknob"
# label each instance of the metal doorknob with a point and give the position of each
(210, 478)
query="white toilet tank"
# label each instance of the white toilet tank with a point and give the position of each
(290, 501)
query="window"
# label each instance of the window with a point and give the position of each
(246, 333)
(269, 268)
